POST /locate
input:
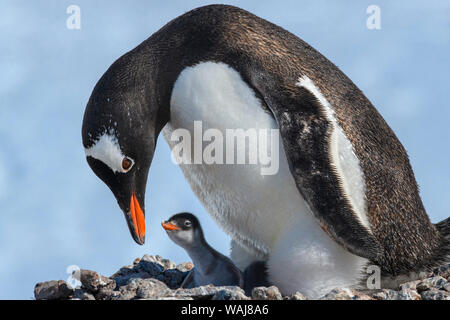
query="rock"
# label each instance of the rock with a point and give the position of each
(52, 290)
(151, 289)
(123, 280)
(124, 295)
(147, 267)
(197, 293)
(446, 287)
(410, 285)
(152, 268)
(165, 263)
(408, 294)
(443, 271)
(93, 281)
(152, 277)
(173, 278)
(151, 258)
(168, 264)
(296, 296)
(385, 294)
(155, 259)
(174, 298)
(264, 293)
(211, 292)
(337, 294)
(435, 294)
(185, 267)
(230, 293)
(130, 289)
(80, 294)
(143, 289)
(123, 272)
(107, 294)
(361, 296)
(345, 294)
(434, 282)
(404, 294)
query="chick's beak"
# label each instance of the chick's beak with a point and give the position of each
(169, 226)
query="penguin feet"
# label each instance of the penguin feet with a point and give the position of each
(255, 275)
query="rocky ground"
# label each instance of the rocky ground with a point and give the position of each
(159, 279)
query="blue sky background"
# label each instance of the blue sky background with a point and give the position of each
(54, 212)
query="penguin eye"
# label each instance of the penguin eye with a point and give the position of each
(187, 223)
(127, 163)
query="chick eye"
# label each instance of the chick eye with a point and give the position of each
(127, 163)
(187, 223)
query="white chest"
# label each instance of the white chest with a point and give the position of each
(253, 208)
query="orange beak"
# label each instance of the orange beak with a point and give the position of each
(138, 218)
(169, 226)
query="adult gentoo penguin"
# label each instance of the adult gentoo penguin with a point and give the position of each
(210, 266)
(344, 196)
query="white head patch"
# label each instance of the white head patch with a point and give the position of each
(107, 150)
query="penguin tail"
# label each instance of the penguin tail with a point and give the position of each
(444, 250)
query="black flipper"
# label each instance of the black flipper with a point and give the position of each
(304, 131)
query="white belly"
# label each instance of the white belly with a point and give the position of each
(260, 212)
(251, 207)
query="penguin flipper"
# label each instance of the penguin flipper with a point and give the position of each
(305, 133)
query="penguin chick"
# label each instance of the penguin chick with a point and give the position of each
(211, 267)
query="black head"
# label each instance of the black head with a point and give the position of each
(184, 221)
(120, 129)
(184, 229)
(131, 103)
